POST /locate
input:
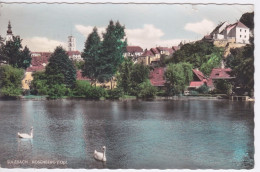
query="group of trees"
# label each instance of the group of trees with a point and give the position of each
(102, 58)
(101, 61)
(133, 79)
(15, 59)
(201, 54)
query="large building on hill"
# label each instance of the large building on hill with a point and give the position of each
(229, 33)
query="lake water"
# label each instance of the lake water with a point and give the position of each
(173, 134)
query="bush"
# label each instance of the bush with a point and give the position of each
(10, 81)
(204, 89)
(115, 93)
(146, 90)
(81, 88)
(57, 91)
(96, 93)
(194, 93)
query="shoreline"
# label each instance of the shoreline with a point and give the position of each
(40, 98)
(187, 97)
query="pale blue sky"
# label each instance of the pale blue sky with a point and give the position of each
(44, 26)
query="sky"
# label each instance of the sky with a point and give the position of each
(45, 26)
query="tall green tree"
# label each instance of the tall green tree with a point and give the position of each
(124, 75)
(10, 81)
(91, 55)
(59, 63)
(177, 77)
(113, 47)
(13, 53)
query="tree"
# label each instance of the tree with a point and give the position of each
(146, 90)
(91, 56)
(241, 61)
(223, 86)
(13, 54)
(10, 81)
(202, 55)
(113, 47)
(177, 77)
(124, 75)
(213, 62)
(248, 20)
(59, 63)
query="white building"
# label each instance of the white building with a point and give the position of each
(238, 31)
(217, 32)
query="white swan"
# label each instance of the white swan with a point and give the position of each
(101, 156)
(26, 136)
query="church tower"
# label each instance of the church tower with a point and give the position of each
(71, 43)
(9, 35)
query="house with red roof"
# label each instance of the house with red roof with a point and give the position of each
(198, 80)
(147, 57)
(219, 74)
(75, 55)
(216, 74)
(157, 77)
(133, 51)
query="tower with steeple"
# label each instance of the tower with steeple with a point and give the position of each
(9, 35)
(71, 43)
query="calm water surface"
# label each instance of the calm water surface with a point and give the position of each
(172, 134)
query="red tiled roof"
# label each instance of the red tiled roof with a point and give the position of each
(162, 48)
(71, 53)
(147, 53)
(80, 77)
(155, 51)
(157, 77)
(133, 49)
(196, 83)
(199, 74)
(219, 73)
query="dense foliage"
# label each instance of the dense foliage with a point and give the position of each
(124, 75)
(223, 87)
(146, 90)
(202, 55)
(177, 77)
(241, 61)
(248, 20)
(113, 47)
(59, 63)
(12, 53)
(91, 55)
(10, 81)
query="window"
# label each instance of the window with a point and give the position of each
(245, 36)
(240, 36)
(240, 30)
(245, 30)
